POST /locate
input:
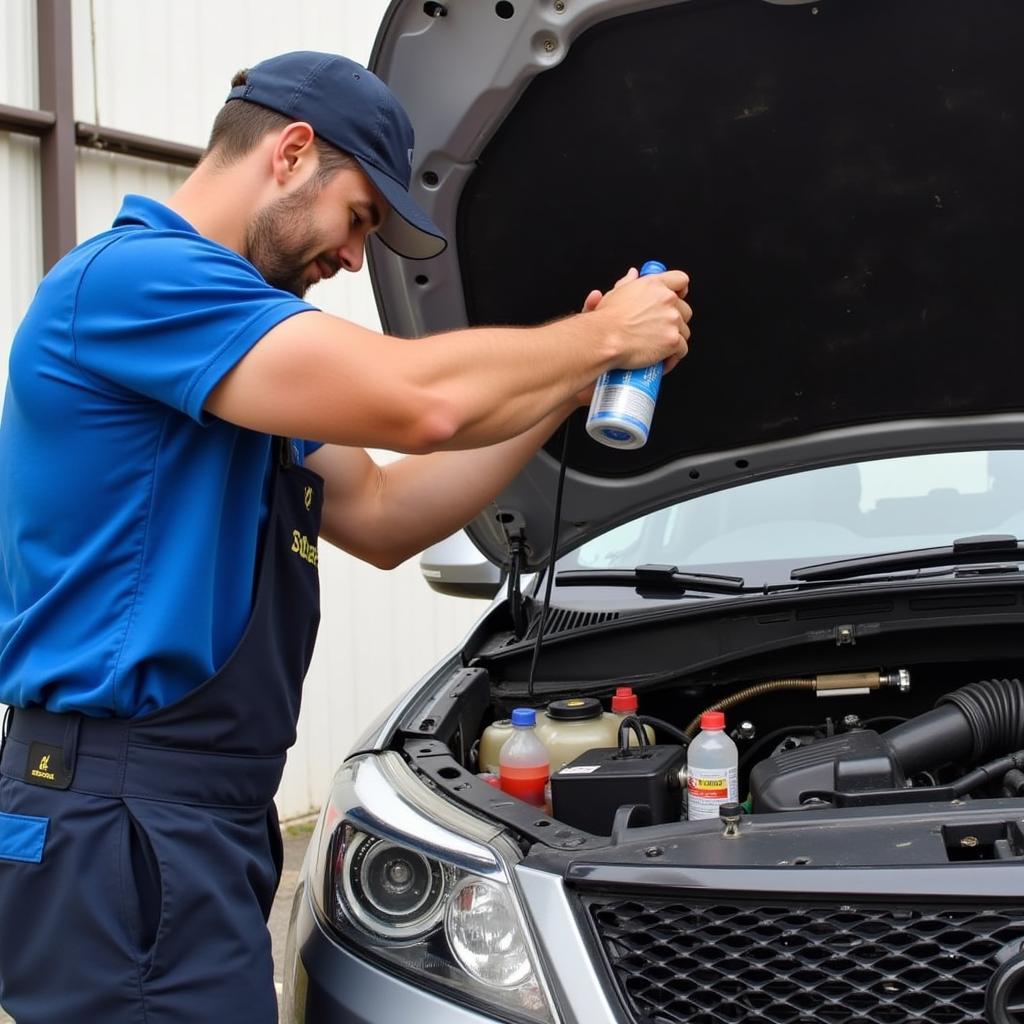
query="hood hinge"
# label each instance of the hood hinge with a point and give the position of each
(514, 527)
(517, 552)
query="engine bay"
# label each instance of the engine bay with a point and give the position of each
(823, 734)
(917, 738)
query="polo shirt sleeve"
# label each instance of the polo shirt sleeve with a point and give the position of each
(167, 315)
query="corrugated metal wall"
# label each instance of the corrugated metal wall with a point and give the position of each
(163, 67)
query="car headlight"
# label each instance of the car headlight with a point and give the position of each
(404, 877)
(391, 890)
(481, 927)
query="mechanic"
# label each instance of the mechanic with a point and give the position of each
(159, 526)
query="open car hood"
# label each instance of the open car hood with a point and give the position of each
(840, 178)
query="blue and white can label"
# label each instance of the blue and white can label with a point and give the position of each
(623, 404)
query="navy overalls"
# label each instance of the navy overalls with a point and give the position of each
(160, 848)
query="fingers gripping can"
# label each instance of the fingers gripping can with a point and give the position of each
(623, 404)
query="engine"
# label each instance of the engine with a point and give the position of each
(902, 765)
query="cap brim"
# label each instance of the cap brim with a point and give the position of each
(406, 230)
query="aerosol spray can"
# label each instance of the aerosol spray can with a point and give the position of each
(623, 404)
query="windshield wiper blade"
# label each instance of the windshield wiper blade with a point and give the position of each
(965, 551)
(651, 578)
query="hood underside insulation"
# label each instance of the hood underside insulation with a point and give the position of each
(841, 180)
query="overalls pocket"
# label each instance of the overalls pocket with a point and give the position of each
(144, 895)
(22, 837)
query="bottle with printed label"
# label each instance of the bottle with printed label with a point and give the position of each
(524, 762)
(623, 404)
(711, 768)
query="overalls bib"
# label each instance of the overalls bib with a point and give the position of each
(149, 848)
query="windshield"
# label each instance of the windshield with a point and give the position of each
(859, 509)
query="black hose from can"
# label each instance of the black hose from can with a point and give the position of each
(631, 724)
(660, 725)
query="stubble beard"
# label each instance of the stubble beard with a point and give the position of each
(278, 239)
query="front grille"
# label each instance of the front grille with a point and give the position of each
(703, 962)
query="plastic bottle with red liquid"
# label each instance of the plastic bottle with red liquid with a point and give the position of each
(524, 761)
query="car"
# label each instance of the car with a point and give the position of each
(820, 539)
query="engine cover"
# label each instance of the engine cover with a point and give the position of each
(850, 763)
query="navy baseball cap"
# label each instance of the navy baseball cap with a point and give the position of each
(353, 110)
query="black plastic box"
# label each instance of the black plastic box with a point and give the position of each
(587, 792)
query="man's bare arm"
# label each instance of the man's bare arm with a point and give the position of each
(386, 514)
(321, 377)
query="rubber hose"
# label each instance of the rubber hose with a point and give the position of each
(940, 736)
(994, 708)
(757, 690)
(660, 725)
(988, 772)
(974, 722)
(1013, 783)
(631, 724)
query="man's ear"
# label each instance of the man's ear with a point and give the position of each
(294, 148)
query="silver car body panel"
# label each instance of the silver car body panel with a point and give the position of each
(570, 966)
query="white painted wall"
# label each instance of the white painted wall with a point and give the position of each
(163, 68)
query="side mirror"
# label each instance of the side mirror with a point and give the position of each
(454, 567)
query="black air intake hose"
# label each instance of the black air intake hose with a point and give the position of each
(995, 710)
(968, 724)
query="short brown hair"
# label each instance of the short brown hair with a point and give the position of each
(241, 126)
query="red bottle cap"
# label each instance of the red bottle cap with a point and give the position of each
(712, 720)
(624, 702)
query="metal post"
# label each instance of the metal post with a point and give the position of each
(57, 146)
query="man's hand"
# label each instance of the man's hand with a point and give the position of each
(593, 301)
(590, 303)
(650, 316)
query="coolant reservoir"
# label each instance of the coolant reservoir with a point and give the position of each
(572, 727)
(491, 742)
(568, 728)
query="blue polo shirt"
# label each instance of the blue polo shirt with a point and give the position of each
(130, 519)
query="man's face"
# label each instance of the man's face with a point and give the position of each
(316, 231)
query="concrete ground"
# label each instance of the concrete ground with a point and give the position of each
(296, 838)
